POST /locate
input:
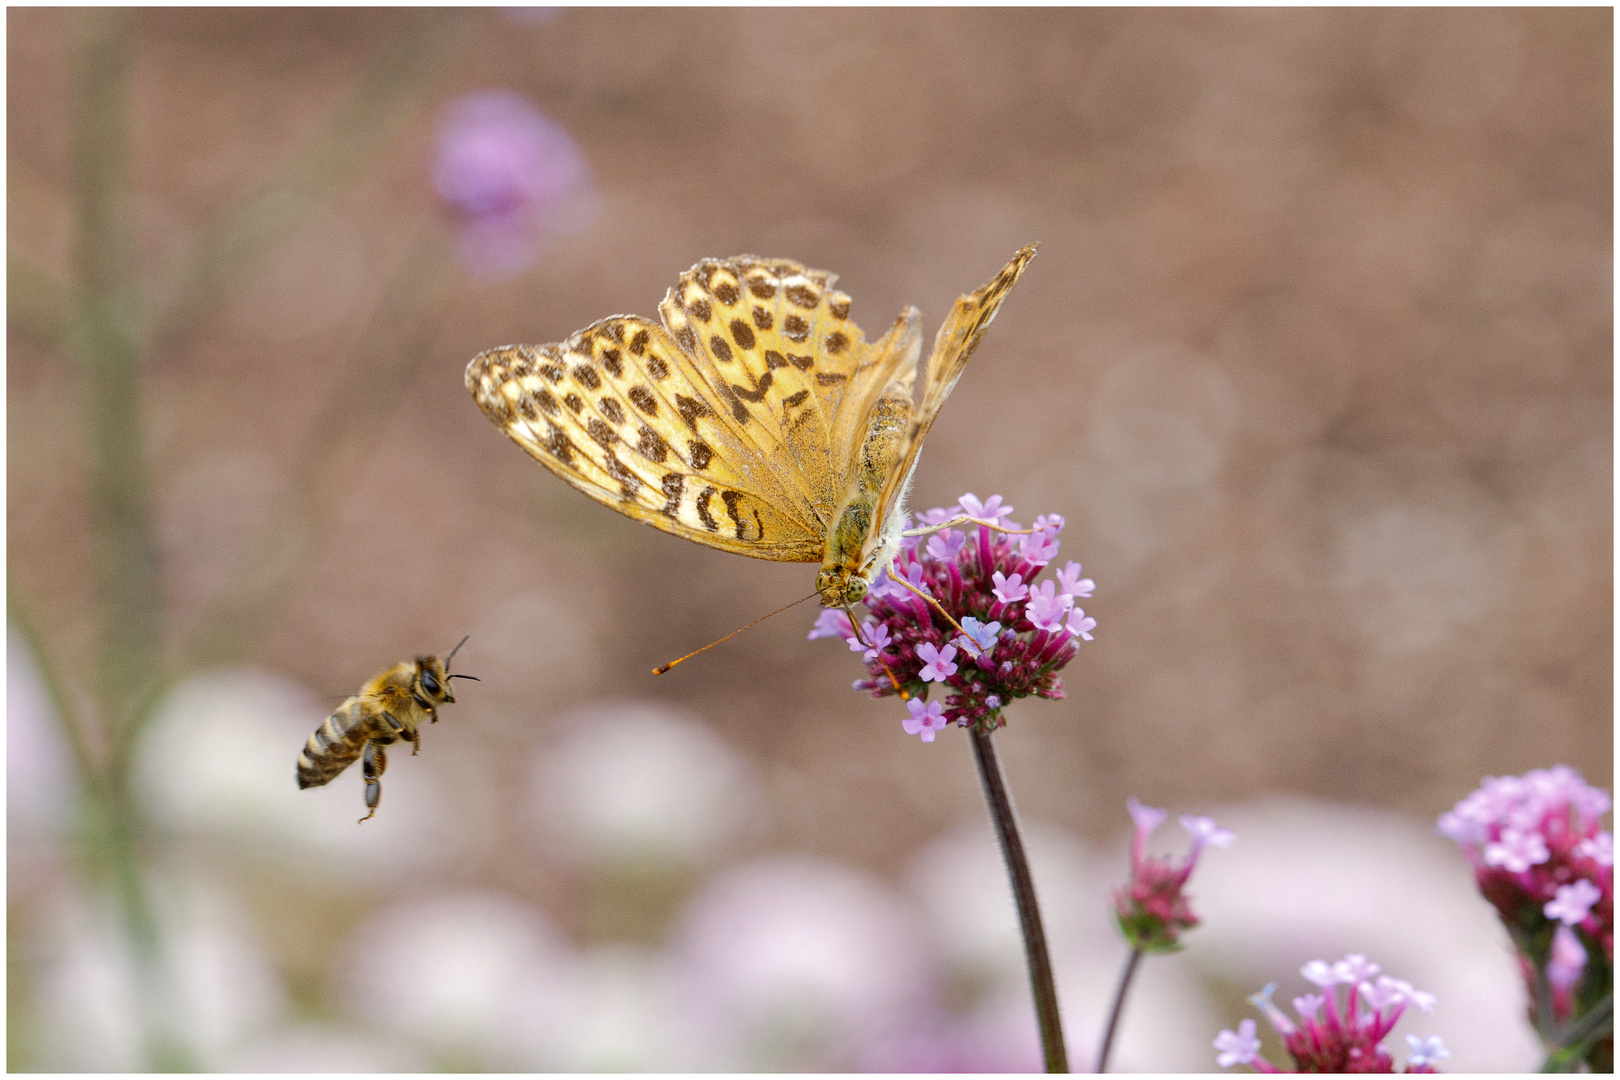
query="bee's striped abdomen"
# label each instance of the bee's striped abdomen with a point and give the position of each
(334, 746)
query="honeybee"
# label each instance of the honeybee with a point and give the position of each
(388, 709)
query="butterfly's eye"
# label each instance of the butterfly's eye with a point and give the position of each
(854, 589)
(430, 684)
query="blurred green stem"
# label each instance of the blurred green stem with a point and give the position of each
(103, 341)
(1578, 1040)
(1005, 819)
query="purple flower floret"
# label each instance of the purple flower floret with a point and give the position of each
(1337, 1032)
(1011, 634)
(511, 176)
(926, 718)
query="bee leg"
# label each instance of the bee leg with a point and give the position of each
(399, 733)
(373, 762)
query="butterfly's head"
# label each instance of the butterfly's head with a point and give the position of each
(839, 588)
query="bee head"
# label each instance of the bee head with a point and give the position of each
(433, 676)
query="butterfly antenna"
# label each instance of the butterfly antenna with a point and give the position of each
(964, 519)
(855, 626)
(661, 668)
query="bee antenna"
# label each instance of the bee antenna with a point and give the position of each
(661, 668)
(474, 678)
(453, 652)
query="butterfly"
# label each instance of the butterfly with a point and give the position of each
(756, 419)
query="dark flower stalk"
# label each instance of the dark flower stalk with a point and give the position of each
(999, 637)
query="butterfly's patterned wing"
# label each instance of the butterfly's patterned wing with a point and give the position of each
(774, 342)
(717, 429)
(953, 345)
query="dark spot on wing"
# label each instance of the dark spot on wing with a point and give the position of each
(721, 349)
(612, 410)
(644, 400)
(629, 481)
(612, 360)
(795, 329)
(703, 510)
(802, 295)
(587, 377)
(558, 445)
(638, 344)
(757, 394)
(742, 334)
(763, 319)
(691, 409)
(699, 453)
(839, 306)
(673, 484)
(547, 402)
(701, 309)
(825, 379)
(796, 399)
(652, 445)
(837, 342)
(726, 293)
(599, 431)
(762, 288)
(574, 401)
(657, 367)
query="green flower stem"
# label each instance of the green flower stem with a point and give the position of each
(1005, 819)
(1131, 964)
(1580, 1037)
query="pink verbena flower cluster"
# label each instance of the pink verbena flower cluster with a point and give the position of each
(1544, 862)
(1151, 909)
(1016, 634)
(1336, 1032)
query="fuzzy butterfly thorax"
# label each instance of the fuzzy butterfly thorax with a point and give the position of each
(756, 419)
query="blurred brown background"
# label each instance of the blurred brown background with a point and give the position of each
(1316, 360)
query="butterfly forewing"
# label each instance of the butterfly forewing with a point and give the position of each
(627, 423)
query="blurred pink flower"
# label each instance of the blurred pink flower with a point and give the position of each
(511, 176)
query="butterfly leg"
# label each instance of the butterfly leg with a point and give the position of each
(963, 519)
(936, 606)
(878, 656)
(373, 762)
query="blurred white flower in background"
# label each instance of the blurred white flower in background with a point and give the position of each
(480, 979)
(794, 962)
(312, 1048)
(40, 787)
(219, 759)
(1315, 879)
(91, 1003)
(635, 782)
(627, 1016)
(961, 882)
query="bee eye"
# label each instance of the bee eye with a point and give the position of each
(429, 683)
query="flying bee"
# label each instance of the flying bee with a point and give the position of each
(388, 709)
